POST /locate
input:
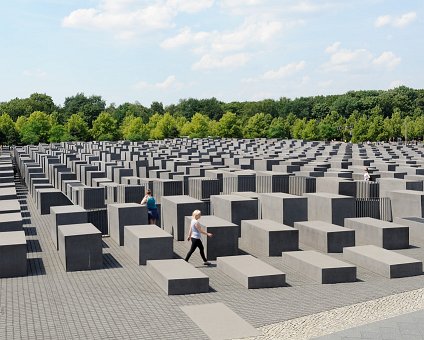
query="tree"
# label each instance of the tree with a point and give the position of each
(90, 107)
(157, 107)
(77, 128)
(360, 130)
(278, 128)
(41, 102)
(298, 127)
(331, 126)
(257, 126)
(198, 127)
(310, 132)
(166, 127)
(36, 128)
(228, 126)
(104, 128)
(8, 132)
(58, 133)
(134, 129)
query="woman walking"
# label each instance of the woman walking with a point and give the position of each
(152, 209)
(195, 235)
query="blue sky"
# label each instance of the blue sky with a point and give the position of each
(166, 50)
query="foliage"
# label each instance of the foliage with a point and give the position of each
(134, 129)
(36, 129)
(105, 128)
(229, 126)
(8, 133)
(77, 128)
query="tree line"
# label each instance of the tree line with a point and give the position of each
(355, 116)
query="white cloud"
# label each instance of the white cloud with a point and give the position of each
(396, 83)
(36, 73)
(239, 3)
(399, 21)
(209, 61)
(126, 18)
(344, 60)
(387, 59)
(284, 71)
(169, 83)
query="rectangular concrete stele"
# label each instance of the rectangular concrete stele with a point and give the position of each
(416, 227)
(10, 206)
(147, 242)
(13, 254)
(382, 261)
(251, 272)
(11, 222)
(173, 211)
(284, 208)
(176, 276)
(224, 241)
(326, 237)
(407, 203)
(80, 247)
(219, 322)
(234, 208)
(320, 267)
(267, 237)
(47, 198)
(380, 233)
(123, 214)
(62, 215)
(331, 208)
(8, 194)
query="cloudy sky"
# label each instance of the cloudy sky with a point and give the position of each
(165, 50)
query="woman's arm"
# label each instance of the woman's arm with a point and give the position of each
(189, 235)
(144, 200)
(199, 228)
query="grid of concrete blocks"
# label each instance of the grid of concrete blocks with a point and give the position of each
(257, 197)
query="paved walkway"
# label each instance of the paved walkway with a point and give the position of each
(122, 302)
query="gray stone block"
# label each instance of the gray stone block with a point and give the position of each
(10, 206)
(326, 237)
(384, 262)
(407, 203)
(49, 197)
(13, 254)
(284, 208)
(173, 211)
(331, 208)
(147, 242)
(336, 186)
(8, 194)
(11, 222)
(63, 215)
(176, 276)
(388, 185)
(251, 272)
(80, 247)
(380, 233)
(416, 227)
(320, 267)
(234, 208)
(225, 236)
(123, 214)
(267, 237)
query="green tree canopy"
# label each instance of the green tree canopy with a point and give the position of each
(105, 128)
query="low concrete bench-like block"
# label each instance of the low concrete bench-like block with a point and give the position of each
(382, 261)
(219, 322)
(11, 222)
(80, 247)
(225, 236)
(326, 237)
(267, 237)
(407, 203)
(66, 214)
(320, 267)
(284, 208)
(251, 272)
(174, 209)
(10, 206)
(379, 233)
(147, 242)
(8, 194)
(331, 208)
(416, 227)
(176, 276)
(13, 254)
(123, 214)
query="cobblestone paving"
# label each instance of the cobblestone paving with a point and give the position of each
(122, 302)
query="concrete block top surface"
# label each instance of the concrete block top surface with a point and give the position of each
(414, 219)
(147, 231)
(281, 195)
(251, 266)
(179, 199)
(382, 255)
(9, 238)
(16, 216)
(317, 259)
(249, 194)
(176, 269)
(44, 190)
(232, 198)
(325, 195)
(125, 205)
(8, 205)
(375, 222)
(214, 221)
(219, 322)
(78, 229)
(7, 191)
(323, 226)
(63, 209)
(268, 225)
(409, 192)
